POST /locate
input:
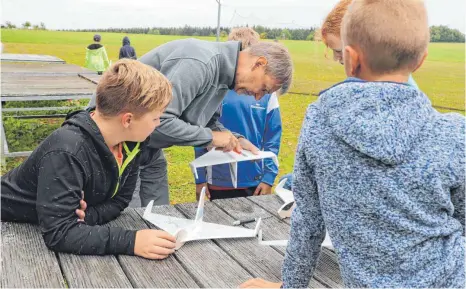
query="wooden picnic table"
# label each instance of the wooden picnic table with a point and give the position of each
(26, 262)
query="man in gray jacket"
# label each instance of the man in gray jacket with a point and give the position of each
(201, 73)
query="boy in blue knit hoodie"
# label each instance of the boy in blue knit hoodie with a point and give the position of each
(377, 166)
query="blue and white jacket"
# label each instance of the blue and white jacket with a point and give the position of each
(260, 123)
(384, 173)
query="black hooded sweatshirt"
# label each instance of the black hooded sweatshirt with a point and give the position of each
(46, 189)
(127, 51)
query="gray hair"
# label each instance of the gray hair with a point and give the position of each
(279, 64)
(246, 35)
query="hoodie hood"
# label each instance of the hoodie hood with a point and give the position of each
(126, 41)
(380, 119)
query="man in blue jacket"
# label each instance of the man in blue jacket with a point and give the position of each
(259, 122)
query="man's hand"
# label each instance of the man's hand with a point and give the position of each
(199, 189)
(225, 140)
(263, 189)
(154, 244)
(260, 283)
(81, 211)
(247, 145)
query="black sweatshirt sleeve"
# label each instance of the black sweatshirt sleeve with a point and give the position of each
(112, 208)
(61, 179)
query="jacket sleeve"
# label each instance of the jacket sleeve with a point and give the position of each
(201, 172)
(61, 180)
(120, 56)
(112, 208)
(105, 56)
(307, 226)
(272, 138)
(189, 78)
(215, 125)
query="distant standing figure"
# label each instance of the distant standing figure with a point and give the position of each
(127, 51)
(96, 56)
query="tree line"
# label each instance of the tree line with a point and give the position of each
(437, 33)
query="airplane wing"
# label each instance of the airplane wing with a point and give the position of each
(170, 225)
(284, 194)
(206, 231)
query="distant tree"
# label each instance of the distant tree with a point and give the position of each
(285, 34)
(310, 37)
(26, 25)
(9, 25)
(42, 26)
(36, 27)
(223, 33)
(445, 34)
(263, 35)
(154, 32)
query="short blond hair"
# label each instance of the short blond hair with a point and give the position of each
(131, 86)
(332, 23)
(247, 36)
(392, 35)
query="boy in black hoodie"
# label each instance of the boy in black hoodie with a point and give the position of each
(89, 167)
(127, 51)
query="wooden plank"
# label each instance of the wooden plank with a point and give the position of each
(272, 228)
(260, 261)
(144, 273)
(205, 261)
(327, 270)
(88, 271)
(30, 58)
(23, 85)
(26, 261)
(43, 68)
(94, 78)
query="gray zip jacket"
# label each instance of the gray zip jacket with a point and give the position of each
(201, 73)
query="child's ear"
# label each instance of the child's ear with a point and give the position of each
(426, 53)
(352, 61)
(126, 119)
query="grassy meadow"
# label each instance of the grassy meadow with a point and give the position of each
(442, 78)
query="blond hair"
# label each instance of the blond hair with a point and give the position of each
(247, 36)
(391, 34)
(279, 64)
(332, 23)
(131, 86)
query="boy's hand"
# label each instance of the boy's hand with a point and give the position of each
(154, 244)
(247, 145)
(263, 189)
(81, 211)
(260, 283)
(199, 189)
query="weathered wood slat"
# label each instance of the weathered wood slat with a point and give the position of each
(30, 58)
(94, 78)
(205, 261)
(26, 261)
(86, 271)
(327, 270)
(260, 261)
(21, 85)
(272, 228)
(144, 273)
(43, 68)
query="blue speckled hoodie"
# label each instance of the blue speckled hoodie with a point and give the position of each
(384, 173)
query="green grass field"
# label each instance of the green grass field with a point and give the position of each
(442, 78)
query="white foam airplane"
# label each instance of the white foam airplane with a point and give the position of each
(217, 157)
(186, 230)
(287, 208)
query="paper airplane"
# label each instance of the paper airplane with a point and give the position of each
(217, 157)
(186, 230)
(285, 212)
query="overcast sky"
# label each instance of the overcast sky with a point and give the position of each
(73, 14)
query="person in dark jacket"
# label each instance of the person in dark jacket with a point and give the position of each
(88, 168)
(127, 51)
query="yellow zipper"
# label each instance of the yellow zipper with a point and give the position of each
(130, 155)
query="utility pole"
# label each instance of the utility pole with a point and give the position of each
(218, 20)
